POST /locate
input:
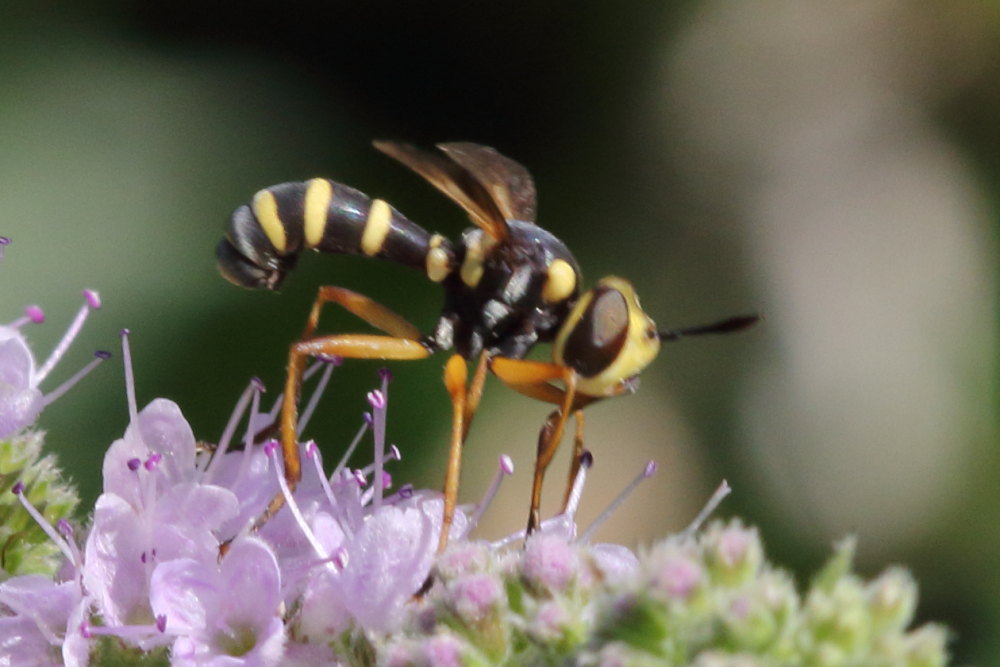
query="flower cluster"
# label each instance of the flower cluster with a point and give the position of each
(169, 567)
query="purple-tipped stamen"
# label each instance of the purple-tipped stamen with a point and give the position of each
(340, 558)
(93, 298)
(32, 314)
(307, 414)
(395, 454)
(385, 374)
(18, 488)
(359, 477)
(74, 328)
(376, 399)
(405, 493)
(646, 473)
(161, 622)
(293, 506)
(270, 446)
(134, 464)
(720, 493)
(505, 468)
(99, 357)
(133, 410)
(151, 462)
(379, 400)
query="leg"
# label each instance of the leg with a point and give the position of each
(455, 374)
(533, 378)
(574, 466)
(464, 402)
(402, 344)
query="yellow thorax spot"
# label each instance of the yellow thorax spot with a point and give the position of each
(437, 260)
(265, 209)
(376, 227)
(472, 266)
(560, 281)
(319, 192)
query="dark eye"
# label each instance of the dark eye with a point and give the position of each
(598, 336)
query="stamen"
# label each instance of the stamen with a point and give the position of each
(721, 492)
(576, 493)
(646, 473)
(133, 411)
(293, 506)
(505, 467)
(340, 557)
(317, 393)
(4, 241)
(18, 490)
(272, 415)
(134, 464)
(379, 402)
(100, 356)
(313, 454)
(342, 463)
(32, 314)
(252, 391)
(151, 462)
(93, 303)
(405, 493)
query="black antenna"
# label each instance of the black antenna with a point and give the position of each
(729, 325)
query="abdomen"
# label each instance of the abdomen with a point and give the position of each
(264, 238)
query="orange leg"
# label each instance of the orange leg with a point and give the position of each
(532, 378)
(403, 343)
(574, 466)
(464, 402)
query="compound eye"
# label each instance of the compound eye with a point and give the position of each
(599, 335)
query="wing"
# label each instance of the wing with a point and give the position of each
(508, 183)
(454, 180)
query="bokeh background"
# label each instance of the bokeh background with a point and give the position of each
(833, 166)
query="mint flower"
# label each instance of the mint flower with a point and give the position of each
(348, 573)
(25, 546)
(21, 399)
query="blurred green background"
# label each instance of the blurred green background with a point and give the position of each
(832, 165)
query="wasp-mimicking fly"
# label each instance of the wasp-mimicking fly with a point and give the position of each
(508, 285)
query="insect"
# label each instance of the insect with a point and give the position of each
(508, 285)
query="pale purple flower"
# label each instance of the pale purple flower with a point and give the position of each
(222, 613)
(21, 399)
(41, 623)
(153, 509)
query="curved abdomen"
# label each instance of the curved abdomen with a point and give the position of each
(264, 238)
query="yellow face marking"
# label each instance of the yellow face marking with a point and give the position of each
(265, 209)
(319, 192)
(560, 281)
(640, 347)
(437, 260)
(472, 266)
(376, 227)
